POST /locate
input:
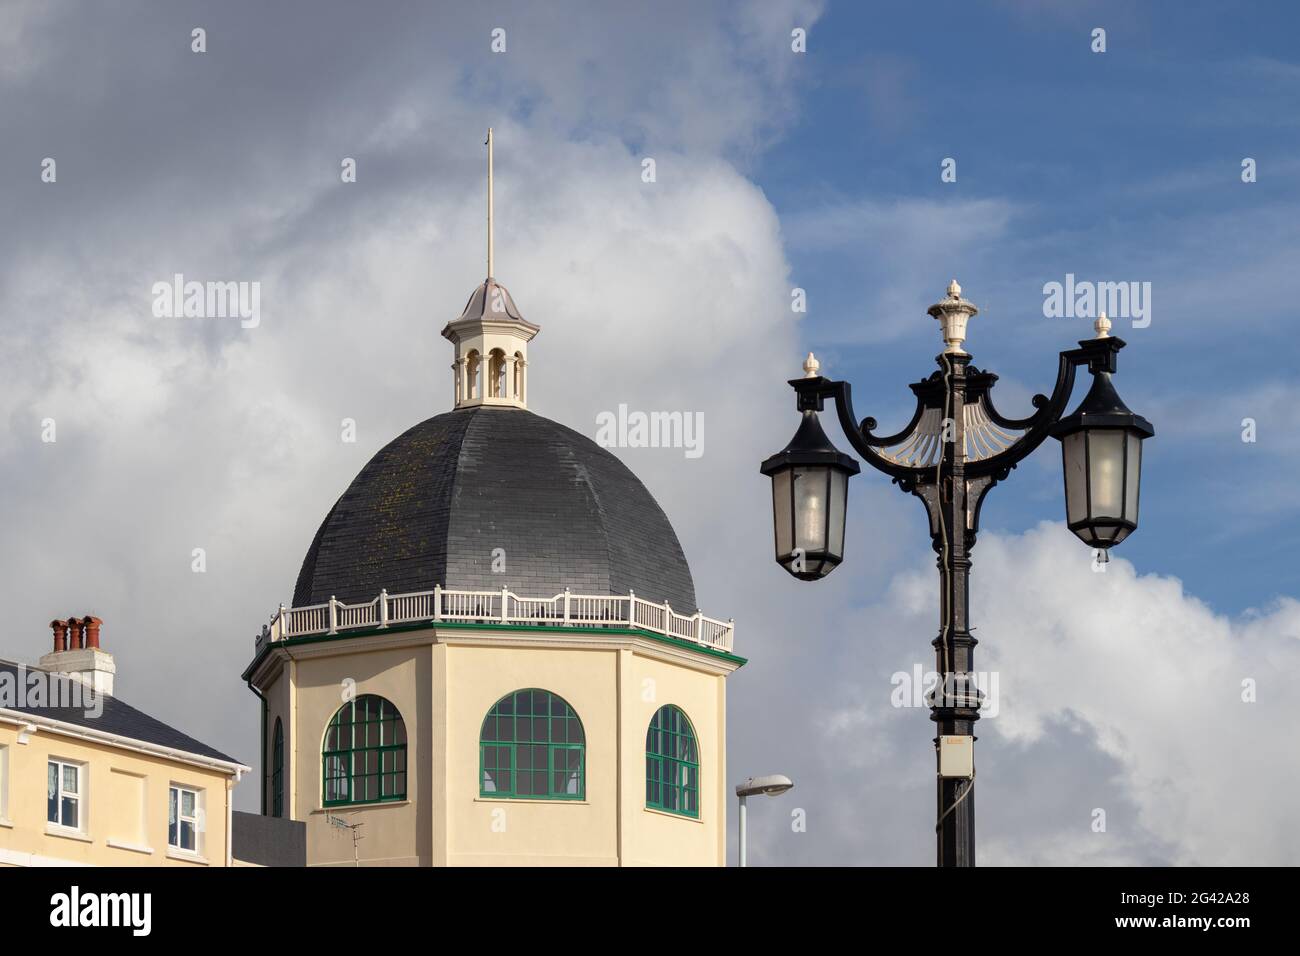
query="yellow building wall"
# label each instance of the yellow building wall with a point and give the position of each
(443, 691)
(278, 698)
(394, 834)
(114, 782)
(494, 831)
(656, 837)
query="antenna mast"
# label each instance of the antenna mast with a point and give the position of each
(341, 824)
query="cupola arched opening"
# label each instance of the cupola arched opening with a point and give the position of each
(497, 374)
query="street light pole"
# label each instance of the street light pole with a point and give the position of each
(772, 785)
(954, 450)
(743, 832)
(955, 646)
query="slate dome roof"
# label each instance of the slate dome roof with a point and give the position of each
(433, 504)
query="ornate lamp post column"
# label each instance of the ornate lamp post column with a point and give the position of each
(956, 447)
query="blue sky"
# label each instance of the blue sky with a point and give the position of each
(1114, 166)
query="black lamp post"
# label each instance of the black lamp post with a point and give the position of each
(956, 447)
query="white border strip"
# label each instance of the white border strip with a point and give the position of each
(24, 718)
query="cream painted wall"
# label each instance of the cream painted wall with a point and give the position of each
(443, 683)
(655, 837)
(110, 814)
(395, 834)
(278, 698)
(497, 832)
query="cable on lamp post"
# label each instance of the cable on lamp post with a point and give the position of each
(955, 449)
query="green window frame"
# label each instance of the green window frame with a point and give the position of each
(277, 771)
(363, 759)
(532, 747)
(672, 763)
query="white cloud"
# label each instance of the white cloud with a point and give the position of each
(1118, 684)
(182, 433)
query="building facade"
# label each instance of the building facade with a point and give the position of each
(88, 780)
(494, 654)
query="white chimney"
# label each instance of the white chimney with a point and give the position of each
(78, 655)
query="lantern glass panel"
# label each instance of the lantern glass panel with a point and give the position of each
(1106, 535)
(781, 504)
(1075, 456)
(810, 503)
(839, 491)
(1132, 476)
(1105, 473)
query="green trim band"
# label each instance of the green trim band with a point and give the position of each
(477, 626)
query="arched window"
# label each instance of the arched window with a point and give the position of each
(518, 391)
(364, 757)
(277, 771)
(497, 373)
(672, 763)
(532, 747)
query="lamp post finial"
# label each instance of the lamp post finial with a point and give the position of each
(953, 312)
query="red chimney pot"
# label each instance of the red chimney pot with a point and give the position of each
(92, 630)
(60, 632)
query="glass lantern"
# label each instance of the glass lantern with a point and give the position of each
(809, 501)
(1101, 449)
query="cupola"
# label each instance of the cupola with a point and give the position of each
(491, 338)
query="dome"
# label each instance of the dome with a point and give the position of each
(435, 503)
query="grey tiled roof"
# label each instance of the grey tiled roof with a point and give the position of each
(433, 504)
(122, 720)
(485, 298)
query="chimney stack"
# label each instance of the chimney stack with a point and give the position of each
(78, 655)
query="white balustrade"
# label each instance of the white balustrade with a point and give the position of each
(502, 607)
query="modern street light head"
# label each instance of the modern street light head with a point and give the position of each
(772, 785)
(810, 479)
(1101, 450)
(953, 312)
(954, 451)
